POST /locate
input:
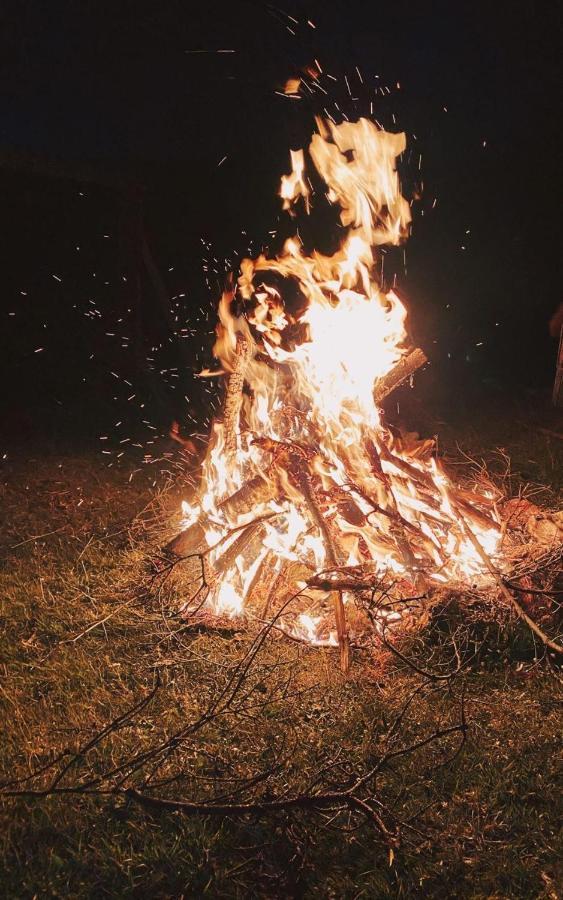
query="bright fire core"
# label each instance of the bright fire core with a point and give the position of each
(304, 340)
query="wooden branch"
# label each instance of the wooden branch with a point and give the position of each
(427, 482)
(403, 370)
(322, 583)
(255, 533)
(302, 801)
(233, 394)
(521, 612)
(263, 581)
(396, 526)
(396, 516)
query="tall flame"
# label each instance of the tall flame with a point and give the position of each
(317, 334)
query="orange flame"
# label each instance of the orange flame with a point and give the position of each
(311, 370)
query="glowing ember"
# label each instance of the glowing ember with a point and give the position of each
(302, 458)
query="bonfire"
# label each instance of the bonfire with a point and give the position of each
(309, 505)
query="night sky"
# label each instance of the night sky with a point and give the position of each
(113, 112)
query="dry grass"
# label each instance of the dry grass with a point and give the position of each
(489, 817)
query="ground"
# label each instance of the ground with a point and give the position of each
(84, 638)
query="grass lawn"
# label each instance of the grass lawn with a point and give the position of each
(483, 822)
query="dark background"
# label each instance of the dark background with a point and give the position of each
(115, 121)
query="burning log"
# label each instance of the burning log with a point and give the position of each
(428, 484)
(233, 394)
(187, 444)
(264, 582)
(257, 490)
(347, 507)
(253, 535)
(397, 527)
(304, 483)
(273, 589)
(406, 367)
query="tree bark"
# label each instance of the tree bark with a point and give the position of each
(403, 370)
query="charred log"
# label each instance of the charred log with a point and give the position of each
(406, 367)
